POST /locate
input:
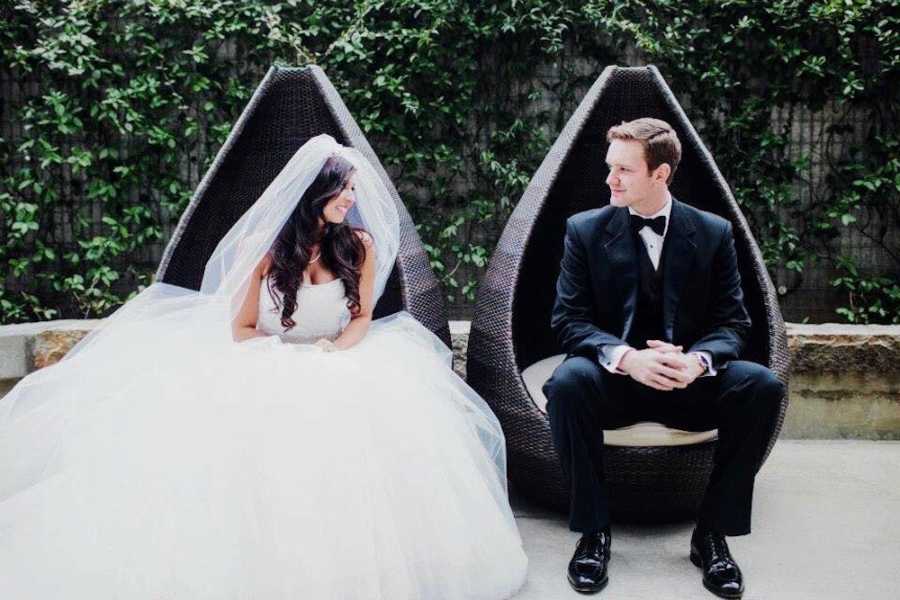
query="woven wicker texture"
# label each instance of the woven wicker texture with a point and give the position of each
(511, 325)
(288, 108)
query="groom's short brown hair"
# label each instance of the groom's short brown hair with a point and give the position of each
(659, 140)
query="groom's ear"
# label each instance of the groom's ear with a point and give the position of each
(661, 173)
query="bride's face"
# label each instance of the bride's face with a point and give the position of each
(336, 209)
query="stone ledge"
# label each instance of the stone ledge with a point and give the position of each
(29, 346)
(838, 348)
(845, 381)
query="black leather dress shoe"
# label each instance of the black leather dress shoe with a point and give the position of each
(721, 575)
(587, 569)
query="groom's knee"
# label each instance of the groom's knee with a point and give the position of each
(574, 383)
(761, 391)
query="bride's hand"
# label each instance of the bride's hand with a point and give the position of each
(326, 345)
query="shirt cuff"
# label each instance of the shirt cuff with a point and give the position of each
(706, 359)
(611, 355)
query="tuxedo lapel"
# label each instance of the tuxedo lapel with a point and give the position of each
(678, 256)
(623, 260)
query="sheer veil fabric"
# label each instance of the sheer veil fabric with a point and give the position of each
(161, 459)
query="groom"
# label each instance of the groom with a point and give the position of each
(650, 312)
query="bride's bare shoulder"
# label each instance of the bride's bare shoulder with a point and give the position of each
(265, 265)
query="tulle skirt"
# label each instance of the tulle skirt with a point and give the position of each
(184, 466)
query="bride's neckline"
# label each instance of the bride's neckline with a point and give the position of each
(305, 276)
(304, 284)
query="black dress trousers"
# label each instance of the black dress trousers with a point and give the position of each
(741, 401)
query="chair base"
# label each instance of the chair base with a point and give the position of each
(654, 484)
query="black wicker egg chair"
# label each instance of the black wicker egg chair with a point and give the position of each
(511, 327)
(289, 107)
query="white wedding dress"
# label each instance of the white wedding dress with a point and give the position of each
(262, 470)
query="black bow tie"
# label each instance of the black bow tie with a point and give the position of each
(658, 224)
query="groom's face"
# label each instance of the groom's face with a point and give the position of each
(630, 180)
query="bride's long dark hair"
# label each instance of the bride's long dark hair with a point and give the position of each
(342, 251)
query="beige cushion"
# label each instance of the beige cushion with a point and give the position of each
(639, 434)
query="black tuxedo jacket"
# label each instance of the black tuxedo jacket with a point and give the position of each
(596, 293)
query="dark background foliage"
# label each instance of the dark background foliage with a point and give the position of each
(112, 109)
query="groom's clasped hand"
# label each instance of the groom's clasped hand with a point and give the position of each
(662, 366)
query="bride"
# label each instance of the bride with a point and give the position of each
(325, 455)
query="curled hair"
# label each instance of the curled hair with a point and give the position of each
(659, 140)
(342, 250)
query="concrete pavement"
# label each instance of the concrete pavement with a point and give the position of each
(826, 525)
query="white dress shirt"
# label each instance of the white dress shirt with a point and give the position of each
(652, 240)
(611, 354)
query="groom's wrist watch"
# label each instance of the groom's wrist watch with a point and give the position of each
(702, 360)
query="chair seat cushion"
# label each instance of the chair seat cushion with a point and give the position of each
(640, 434)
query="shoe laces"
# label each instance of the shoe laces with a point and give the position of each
(718, 547)
(591, 545)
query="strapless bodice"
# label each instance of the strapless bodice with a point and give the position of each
(321, 312)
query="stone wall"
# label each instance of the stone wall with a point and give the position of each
(845, 380)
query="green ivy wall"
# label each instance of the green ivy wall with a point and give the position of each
(111, 111)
